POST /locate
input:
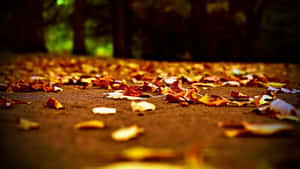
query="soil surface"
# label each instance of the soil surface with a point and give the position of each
(58, 145)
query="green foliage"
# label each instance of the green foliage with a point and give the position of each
(59, 38)
(59, 33)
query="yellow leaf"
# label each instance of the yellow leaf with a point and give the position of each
(142, 106)
(24, 124)
(244, 128)
(275, 84)
(92, 124)
(127, 133)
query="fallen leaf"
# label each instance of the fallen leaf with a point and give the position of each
(175, 98)
(204, 85)
(213, 100)
(234, 129)
(92, 124)
(24, 124)
(53, 103)
(132, 91)
(104, 110)
(282, 107)
(239, 96)
(262, 99)
(275, 84)
(142, 106)
(231, 83)
(143, 153)
(127, 133)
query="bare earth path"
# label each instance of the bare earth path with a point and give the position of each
(58, 145)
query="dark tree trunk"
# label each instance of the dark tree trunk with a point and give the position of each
(254, 14)
(27, 27)
(120, 26)
(78, 28)
(198, 30)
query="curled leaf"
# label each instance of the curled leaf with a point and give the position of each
(234, 129)
(231, 83)
(213, 100)
(127, 133)
(262, 99)
(142, 106)
(24, 124)
(282, 107)
(239, 96)
(53, 103)
(280, 110)
(92, 124)
(104, 110)
(275, 84)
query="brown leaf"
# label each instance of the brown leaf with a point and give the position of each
(234, 129)
(132, 91)
(53, 103)
(239, 96)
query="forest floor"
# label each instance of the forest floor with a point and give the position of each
(56, 144)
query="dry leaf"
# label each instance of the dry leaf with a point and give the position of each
(142, 106)
(119, 95)
(234, 129)
(239, 96)
(127, 133)
(104, 110)
(262, 99)
(231, 83)
(280, 110)
(92, 124)
(282, 107)
(213, 100)
(53, 103)
(275, 84)
(143, 153)
(24, 124)
(204, 85)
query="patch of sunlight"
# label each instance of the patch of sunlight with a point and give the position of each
(104, 50)
(63, 2)
(59, 38)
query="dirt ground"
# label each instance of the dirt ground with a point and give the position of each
(58, 145)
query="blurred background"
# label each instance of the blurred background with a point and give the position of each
(194, 30)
